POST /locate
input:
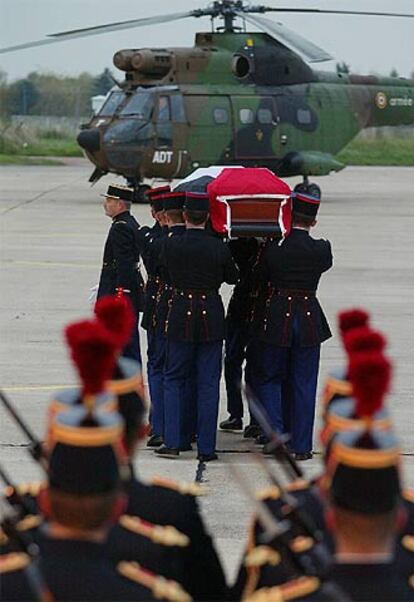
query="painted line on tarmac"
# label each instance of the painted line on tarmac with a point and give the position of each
(23, 388)
(51, 264)
(40, 195)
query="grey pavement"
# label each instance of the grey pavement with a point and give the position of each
(52, 234)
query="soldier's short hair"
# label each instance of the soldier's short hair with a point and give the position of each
(83, 512)
(196, 217)
(127, 204)
(175, 215)
(300, 219)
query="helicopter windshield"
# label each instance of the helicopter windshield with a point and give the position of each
(111, 104)
(140, 106)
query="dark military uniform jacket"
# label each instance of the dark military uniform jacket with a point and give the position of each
(372, 582)
(294, 269)
(75, 570)
(244, 253)
(163, 505)
(198, 263)
(151, 257)
(165, 289)
(123, 247)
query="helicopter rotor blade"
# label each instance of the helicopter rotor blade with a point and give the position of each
(336, 12)
(88, 31)
(306, 49)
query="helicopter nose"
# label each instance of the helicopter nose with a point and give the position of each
(89, 140)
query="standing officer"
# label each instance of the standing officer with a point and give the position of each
(198, 264)
(120, 267)
(294, 325)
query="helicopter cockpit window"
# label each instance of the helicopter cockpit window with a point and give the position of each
(111, 104)
(304, 116)
(264, 116)
(221, 116)
(164, 112)
(140, 106)
(246, 116)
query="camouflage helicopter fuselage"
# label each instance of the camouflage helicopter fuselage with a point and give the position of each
(235, 98)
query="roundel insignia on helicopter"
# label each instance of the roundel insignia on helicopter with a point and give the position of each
(381, 100)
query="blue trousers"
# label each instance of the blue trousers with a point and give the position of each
(155, 370)
(298, 367)
(133, 348)
(202, 362)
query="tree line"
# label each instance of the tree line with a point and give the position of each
(57, 95)
(51, 94)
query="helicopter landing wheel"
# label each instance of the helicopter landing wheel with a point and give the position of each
(309, 188)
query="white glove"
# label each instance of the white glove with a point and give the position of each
(93, 294)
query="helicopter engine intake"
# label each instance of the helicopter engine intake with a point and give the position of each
(151, 62)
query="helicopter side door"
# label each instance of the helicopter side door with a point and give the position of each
(210, 129)
(256, 128)
(169, 156)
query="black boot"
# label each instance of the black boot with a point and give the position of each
(231, 424)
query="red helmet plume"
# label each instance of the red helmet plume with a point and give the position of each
(117, 315)
(93, 353)
(364, 339)
(352, 318)
(370, 376)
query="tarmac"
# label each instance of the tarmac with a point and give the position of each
(52, 233)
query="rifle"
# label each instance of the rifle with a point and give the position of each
(35, 448)
(276, 442)
(8, 523)
(15, 499)
(317, 558)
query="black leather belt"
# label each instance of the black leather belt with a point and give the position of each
(302, 294)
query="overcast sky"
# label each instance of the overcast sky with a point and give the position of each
(368, 44)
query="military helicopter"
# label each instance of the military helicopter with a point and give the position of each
(235, 97)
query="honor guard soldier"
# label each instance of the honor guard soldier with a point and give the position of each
(364, 496)
(123, 247)
(198, 263)
(294, 326)
(163, 502)
(173, 211)
(155, 354)
(82, 497)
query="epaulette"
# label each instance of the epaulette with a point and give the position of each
(163, 535)
(291, 590)
(184, 488)
(32, 489)
(15, 561)
(407, 542)
(261, 555)
(299, 588)
(301, 544)
(161, 587)
(265, 594)
(408, 495)
(298, 485)
(31, 521)
(269, 493)
(120, 221)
